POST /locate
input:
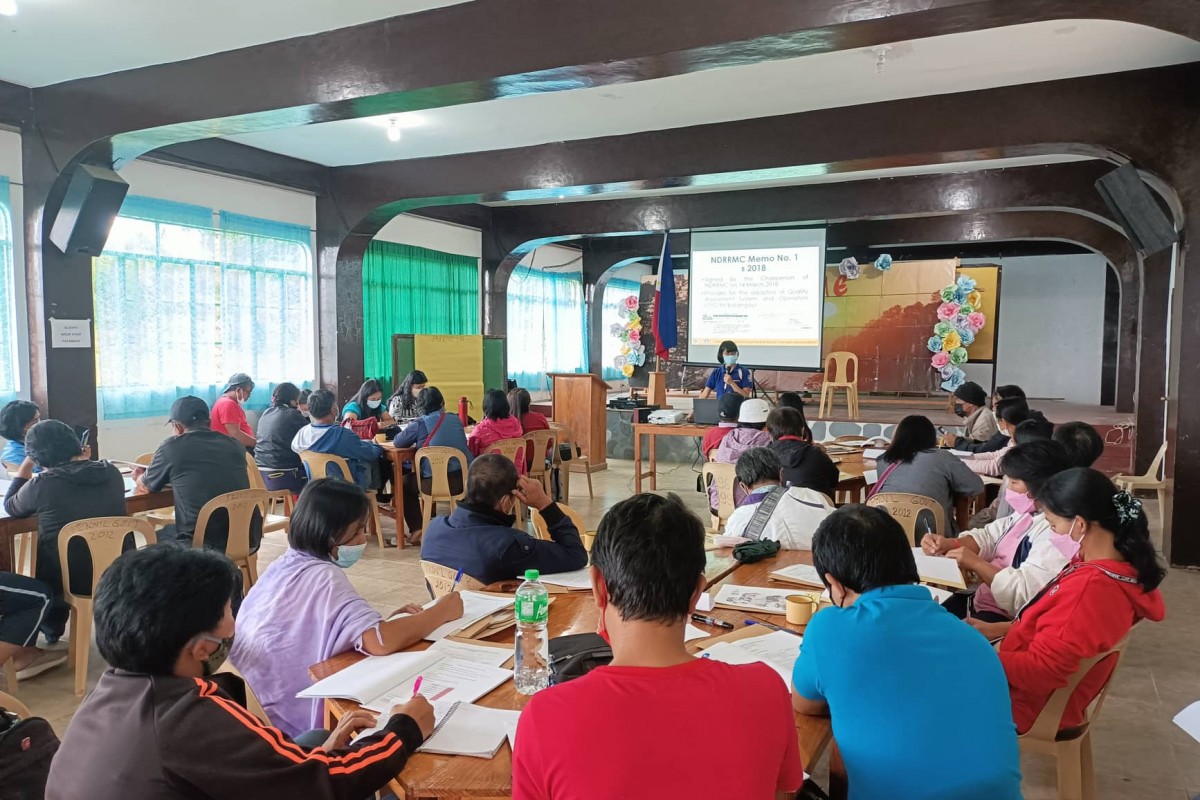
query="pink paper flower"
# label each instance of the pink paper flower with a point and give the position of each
(635, 336)
(631, 302)
(947, 311)
(976, 320)
(940, 360)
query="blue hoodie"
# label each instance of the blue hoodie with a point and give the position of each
(334, 440)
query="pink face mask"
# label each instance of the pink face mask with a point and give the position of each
(1064, 543)
(1021, 503)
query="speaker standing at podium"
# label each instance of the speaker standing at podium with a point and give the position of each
(728, 377)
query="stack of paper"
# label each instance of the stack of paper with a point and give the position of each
(753, 598)
(476, 606)
(471, 730)
(577, 581)
(938, 569)
(448, 672)
(802, 574)
(870, 454)
(777, 649)
(962, 453)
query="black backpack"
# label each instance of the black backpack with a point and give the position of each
(26, 749)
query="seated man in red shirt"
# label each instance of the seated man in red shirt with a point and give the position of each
(630, 728)
(728, 407)
(228, 416)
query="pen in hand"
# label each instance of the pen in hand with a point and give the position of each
(457, 578)
(417, 685)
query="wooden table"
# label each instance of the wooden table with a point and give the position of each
(436, 776)
(398, 456)
(11, 528)
(654, 431)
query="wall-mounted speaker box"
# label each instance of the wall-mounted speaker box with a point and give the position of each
(1133, 206)
(93, 198)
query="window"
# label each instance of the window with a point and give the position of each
(614, 297)
(181, 305)
(545, 326)
(9, 375)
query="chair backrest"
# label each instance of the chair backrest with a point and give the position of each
(317, 465)
(541, 444)
(7, 701)
(542, 531)
(256, 478)
(144, 459)
(841, 361)
(918, 514)
(1156, 466)
(438, 459)
(512, 449)
(241, 507)
(1049, 721)
(725, 476)
(565, 436)
(105, 538)
(441, 579)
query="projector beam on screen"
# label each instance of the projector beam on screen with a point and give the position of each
(763, 290)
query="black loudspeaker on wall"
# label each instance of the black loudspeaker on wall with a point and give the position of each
(93, 198)
(1134, 207)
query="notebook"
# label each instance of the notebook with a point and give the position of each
(938, 570)
(471, 730)
(476, 606)
(801, 574)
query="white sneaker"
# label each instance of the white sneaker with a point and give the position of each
(49, 660)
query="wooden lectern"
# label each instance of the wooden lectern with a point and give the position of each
(657, 393)
(580, 402)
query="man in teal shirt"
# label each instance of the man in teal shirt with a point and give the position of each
(876, 662)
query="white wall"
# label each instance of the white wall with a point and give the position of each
(10, 167)
(126, 439)
(435, 235)
(1051, 339)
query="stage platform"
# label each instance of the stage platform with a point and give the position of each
(878, 416)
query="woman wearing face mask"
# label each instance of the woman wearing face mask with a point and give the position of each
(1089, 606)
(304, 610)
(403, 404)
(368, 403)
(979, 423)
(1009, 414)
(280, 466)
(728, 377)
(1017, 555)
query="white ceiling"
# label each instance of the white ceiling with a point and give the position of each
(50, 41)
(953, 63)
(725, 183)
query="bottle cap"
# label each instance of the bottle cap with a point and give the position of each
(532, 575)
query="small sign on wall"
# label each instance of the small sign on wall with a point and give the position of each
(70, 333)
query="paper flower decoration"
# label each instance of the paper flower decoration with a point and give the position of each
(965, 283)
(635, 335)
(946, 371)
(942, 328)
(619, 362)
(637, 347)
(623, 312)
(958, 356)
(639, 359)
(631, 302)
(849, 268)
(947, 311)
(934, 344)
(625, 350)
(948, 293)
(883, 263)
(967, 336)
(951, 340)
(634, 322)
(961, 322)
(615, 329)
(627, 370)
(956, 379)
(966, 308)
(976, 321)
(960, 296)
(940, 360)
(975, 298)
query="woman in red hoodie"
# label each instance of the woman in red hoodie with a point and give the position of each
(498, 423)
(1090, 605)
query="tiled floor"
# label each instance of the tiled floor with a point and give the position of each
(1139, 752)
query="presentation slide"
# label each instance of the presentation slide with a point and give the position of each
(760, 289)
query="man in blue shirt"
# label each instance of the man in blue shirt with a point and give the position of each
(875, 665)
(324, 435)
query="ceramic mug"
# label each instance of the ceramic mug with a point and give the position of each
(800, 608)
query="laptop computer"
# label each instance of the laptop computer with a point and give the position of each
(705, 412)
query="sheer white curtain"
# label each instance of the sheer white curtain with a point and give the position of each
(545, 326)
(9, 383)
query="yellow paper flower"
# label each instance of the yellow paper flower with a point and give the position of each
(635, 322)
(627, 370)
(974, 299)
(951, 341)
(625, 350)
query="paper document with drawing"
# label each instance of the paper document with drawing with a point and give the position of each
(476, 606)
(379, 682)
(777, 649)
(754, 598)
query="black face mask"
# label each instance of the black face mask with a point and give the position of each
(959, 411)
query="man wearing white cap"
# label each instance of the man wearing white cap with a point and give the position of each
(228, 416)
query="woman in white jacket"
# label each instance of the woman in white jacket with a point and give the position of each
(1017, 555)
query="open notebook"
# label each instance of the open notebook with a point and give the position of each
(938, 570)
(476, 606)
(471, 730)
(800, 574)
(448, 670)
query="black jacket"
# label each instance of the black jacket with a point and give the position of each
(277, 426)
(59, 496)
(998, 442)
(485, 546)
(807, 466)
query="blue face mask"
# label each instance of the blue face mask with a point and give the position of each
(349, 554)
(730, 360)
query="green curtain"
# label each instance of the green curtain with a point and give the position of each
(409, 289)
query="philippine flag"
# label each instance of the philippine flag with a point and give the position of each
(666, 334)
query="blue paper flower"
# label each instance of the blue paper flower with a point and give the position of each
(960, 296)
(956, 379)
(934, 344)
(883, 263)
(849, 268)
(966, 337)
(966, 284)
(947, 371)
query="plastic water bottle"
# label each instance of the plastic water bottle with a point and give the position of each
(531, 672)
